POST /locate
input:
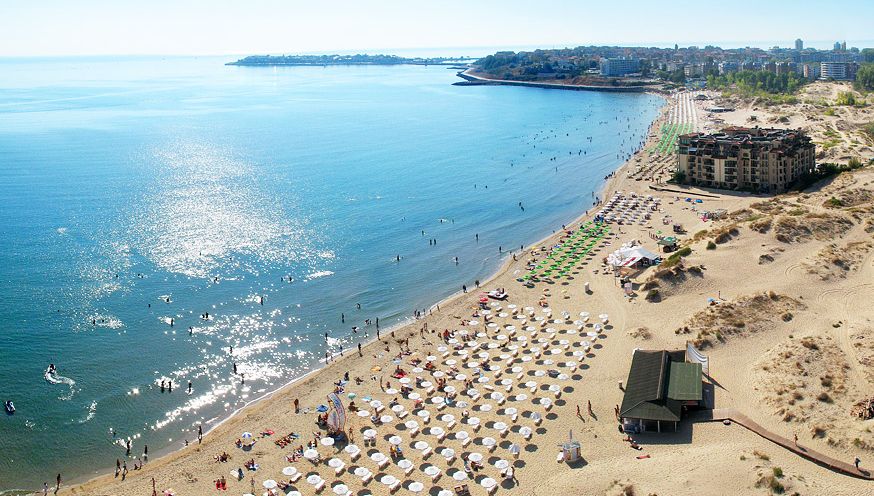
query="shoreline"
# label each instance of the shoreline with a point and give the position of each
(473, 80)
(166, 456)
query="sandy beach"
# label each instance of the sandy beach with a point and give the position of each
(788, 330)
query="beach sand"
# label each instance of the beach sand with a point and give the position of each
(758, 357)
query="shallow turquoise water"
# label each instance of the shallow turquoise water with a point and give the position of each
(125, 182)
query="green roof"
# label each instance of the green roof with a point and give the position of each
(658, 384)
(684, 381)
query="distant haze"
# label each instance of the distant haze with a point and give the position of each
(204, 27)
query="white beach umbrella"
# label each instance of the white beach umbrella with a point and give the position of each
(269, 484)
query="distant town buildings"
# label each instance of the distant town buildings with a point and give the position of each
(754, 159)
(614, 67)
(839, 71)
(677, 64)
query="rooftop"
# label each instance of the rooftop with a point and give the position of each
(658, 384)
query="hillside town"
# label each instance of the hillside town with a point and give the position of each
(678, 64)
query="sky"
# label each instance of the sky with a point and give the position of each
(224, 27)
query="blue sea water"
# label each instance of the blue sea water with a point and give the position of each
(134, 191)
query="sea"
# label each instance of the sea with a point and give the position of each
(171, 218)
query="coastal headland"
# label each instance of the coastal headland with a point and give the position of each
(775, 292)
(361, 59)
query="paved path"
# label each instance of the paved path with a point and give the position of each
(733, 415)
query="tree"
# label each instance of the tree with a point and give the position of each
(868, 55)
(865, 77)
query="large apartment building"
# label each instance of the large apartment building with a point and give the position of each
(755, 159)
(614, 67)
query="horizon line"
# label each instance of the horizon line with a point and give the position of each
(762, 44)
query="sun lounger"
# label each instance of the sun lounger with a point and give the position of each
(467, 440)
(296, 477)
(450, 424)
(394, 487)
(427, 452)
(318, 487)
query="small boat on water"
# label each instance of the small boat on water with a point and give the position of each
(10, 407)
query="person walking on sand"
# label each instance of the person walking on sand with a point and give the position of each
(154, 488)
(199, 434)
(591, 414)
(856, 462)
(117, 466)
(45, 488)
(58, 486)
(795, 435)
(296, 405)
